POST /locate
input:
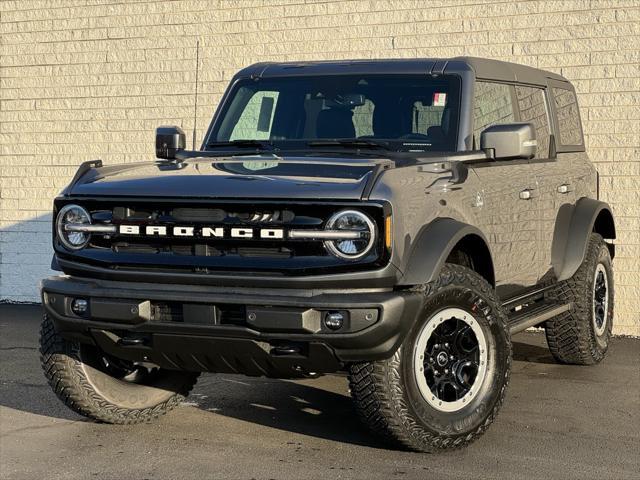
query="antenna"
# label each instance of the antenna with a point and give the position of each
(195, 102)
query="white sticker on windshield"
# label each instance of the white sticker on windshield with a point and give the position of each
(439, 99)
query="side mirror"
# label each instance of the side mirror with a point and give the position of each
(169, 141)
(509, 141)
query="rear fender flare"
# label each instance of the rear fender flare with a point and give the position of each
(574, 225)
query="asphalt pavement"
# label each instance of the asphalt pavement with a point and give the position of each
(558, 422)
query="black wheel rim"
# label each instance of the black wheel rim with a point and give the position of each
(600, 300)
(452, 360)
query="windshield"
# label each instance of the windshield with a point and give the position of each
(393, 112)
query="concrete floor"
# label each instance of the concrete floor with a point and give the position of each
(559, 422)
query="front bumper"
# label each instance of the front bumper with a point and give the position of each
(254, 331)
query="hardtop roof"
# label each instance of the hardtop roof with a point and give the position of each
(483, 68)
(488, 69)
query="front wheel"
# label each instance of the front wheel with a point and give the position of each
(447, 381)
(107, 389)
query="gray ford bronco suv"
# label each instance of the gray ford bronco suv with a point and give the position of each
(397, 220)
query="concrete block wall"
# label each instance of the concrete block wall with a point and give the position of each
(85, 79)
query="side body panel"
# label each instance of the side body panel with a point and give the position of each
(527, 238)
(509, 222)
(562, 183)
(426, 203)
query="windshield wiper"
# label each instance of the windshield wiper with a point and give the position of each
(350, 143)
(258, 144)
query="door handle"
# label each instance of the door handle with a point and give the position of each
(564, 188)
(526, 194)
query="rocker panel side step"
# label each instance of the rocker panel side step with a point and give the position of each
(533, 315)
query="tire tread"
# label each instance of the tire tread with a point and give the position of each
(377, 391)
(63, 369)
(569, 335)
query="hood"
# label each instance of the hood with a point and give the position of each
(260, 177)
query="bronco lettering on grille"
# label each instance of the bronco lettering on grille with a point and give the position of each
(210, 232)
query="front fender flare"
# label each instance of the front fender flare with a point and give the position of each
(432, 247)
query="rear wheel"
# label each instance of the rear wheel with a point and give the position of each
(581, 335)
(105, 388)
(447, 381)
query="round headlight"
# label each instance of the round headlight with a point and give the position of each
(69, 216)
(356, 225)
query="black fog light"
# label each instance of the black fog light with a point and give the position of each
(80, 306)
(334, 320)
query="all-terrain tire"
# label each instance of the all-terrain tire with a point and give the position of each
(574, 336)
(386, 393)
(93, 393)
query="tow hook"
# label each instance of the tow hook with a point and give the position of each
(304, 373)
(285, 350)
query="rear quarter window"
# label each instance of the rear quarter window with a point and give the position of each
(569, 128)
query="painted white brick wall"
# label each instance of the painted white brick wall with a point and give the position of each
(85, 79)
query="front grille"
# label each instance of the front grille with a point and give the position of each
(200, 250)
(247, 215)
(212, 254)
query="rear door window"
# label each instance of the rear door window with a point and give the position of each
(533, 109)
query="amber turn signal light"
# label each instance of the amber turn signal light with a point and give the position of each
(387, 232)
